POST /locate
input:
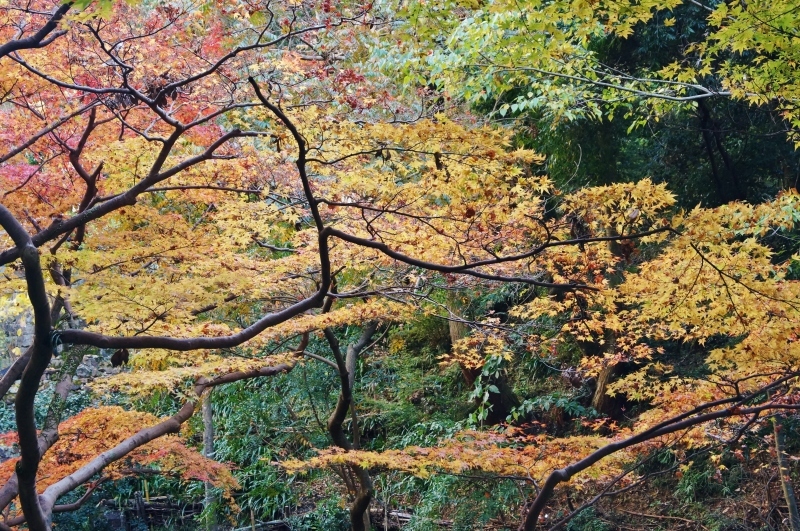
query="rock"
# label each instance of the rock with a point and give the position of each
(7, 452)
(19, 330)
(85, 371)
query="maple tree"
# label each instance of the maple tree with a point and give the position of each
(180, 180)
(550, 55)
(593, 84)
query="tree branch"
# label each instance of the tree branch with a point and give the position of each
(674, 424)
(41, 352)
(128, 198)
(168, 426)
(42, 132)
(38, 39)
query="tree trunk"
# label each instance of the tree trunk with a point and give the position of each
(712, 131)
(786, 476)
(208, 452)
(601, 401)
(501, 402)
(459, 330)
(359, 510)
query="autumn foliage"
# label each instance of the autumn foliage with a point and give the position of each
(214, 187)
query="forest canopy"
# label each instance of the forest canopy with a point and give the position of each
(372, 265)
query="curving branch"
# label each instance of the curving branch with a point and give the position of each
(45, 131)
(40, 353)
(90, 179)
(96, 465)
(703, 92)
(80, 337)
(128, 198)
(695, 417)
(359, 518)
(13, 373)
(42, 37)
(204, 187)
(185, 344)
(49, 434)
(302, 152)
(467, 269)
(166, 427)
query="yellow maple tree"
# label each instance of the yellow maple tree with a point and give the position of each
(178, 180)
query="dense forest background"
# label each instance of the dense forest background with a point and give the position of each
(407, 392)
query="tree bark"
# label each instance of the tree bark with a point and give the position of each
(359, 510)
(208, 452)
(41, 38)
(610, 406)
(504, 401)
(707, 412)
(712, 161)
(710, 129)
(786, 475)
(601, 401)
(41, 352)
(49, 433)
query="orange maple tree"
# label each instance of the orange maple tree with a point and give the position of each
(166, 168)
